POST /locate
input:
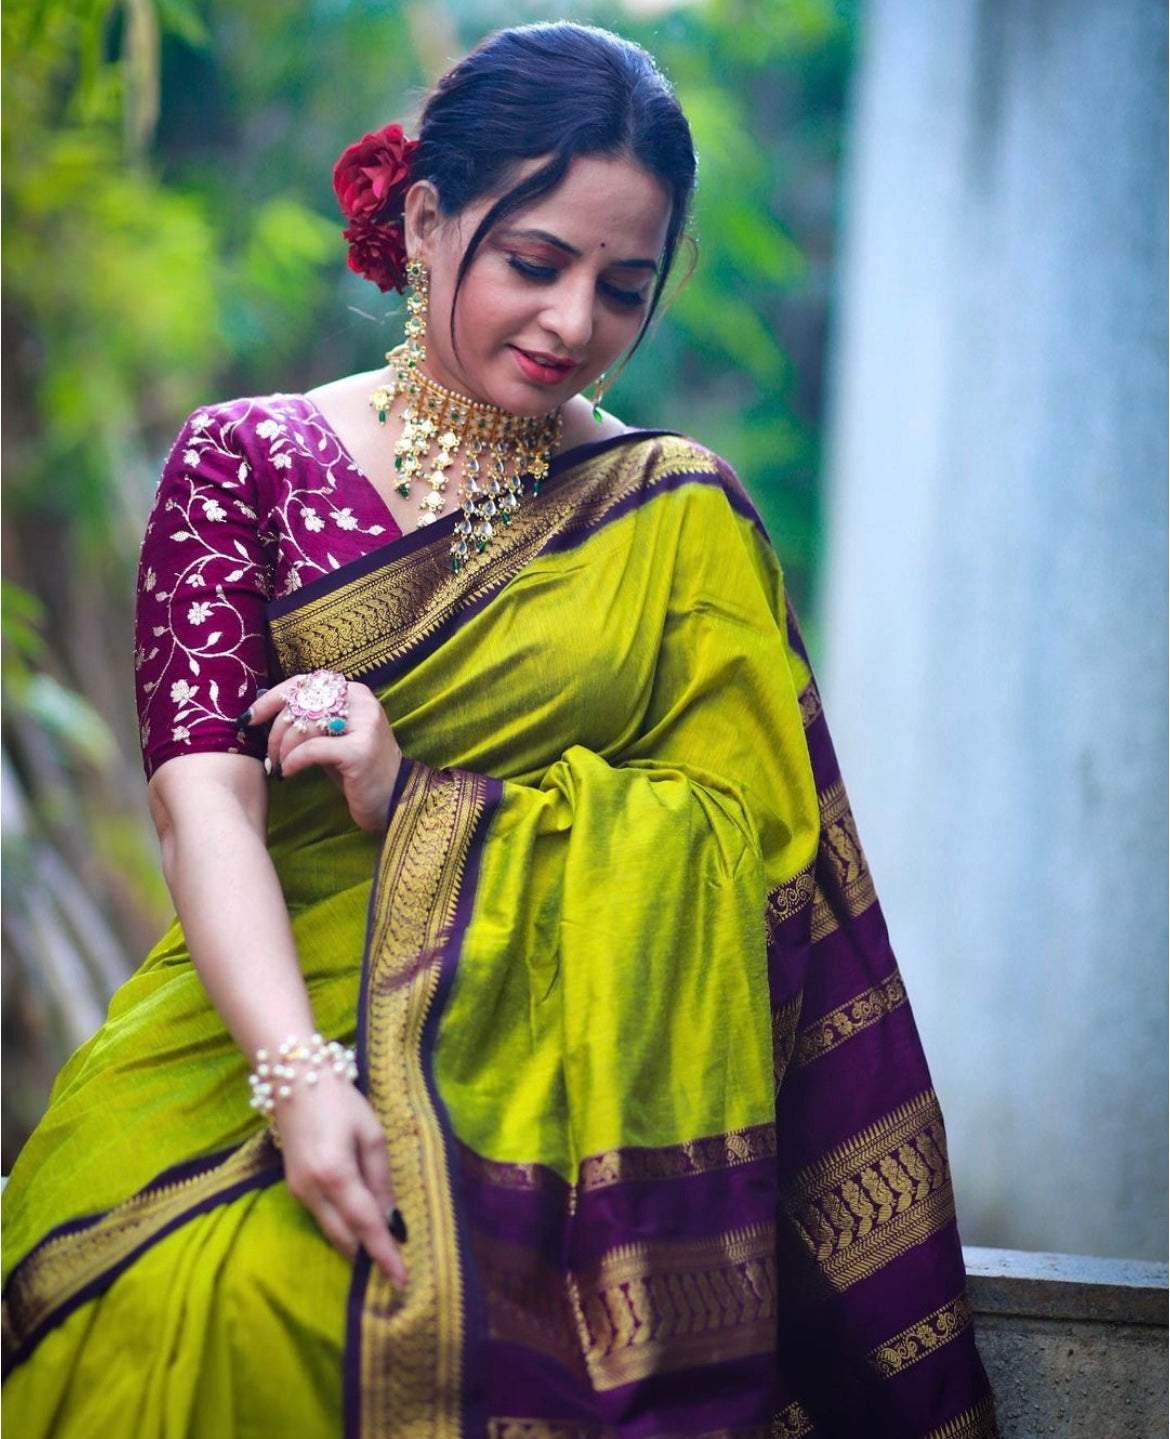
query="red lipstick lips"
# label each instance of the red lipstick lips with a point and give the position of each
(543, 369)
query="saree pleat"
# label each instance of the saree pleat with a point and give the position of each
(623, 1000)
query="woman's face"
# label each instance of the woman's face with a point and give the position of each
(556, 291)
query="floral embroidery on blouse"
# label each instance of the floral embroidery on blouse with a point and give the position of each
(257, 497)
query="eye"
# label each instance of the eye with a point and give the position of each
(631, 298)
(530, 270)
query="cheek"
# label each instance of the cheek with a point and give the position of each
(620, 331)
(482, 312)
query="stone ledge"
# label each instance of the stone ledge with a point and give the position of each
(1067, 1286)
(1075, 1346)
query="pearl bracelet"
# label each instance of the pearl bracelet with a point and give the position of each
(273, 1079)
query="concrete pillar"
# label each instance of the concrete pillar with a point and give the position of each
(995, 626)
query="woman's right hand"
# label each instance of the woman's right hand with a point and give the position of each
(210, 810)
(364, 759)
(336, 1164)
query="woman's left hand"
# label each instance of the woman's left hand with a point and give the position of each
(363, 759)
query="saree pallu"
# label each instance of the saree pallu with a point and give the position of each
(623, 999)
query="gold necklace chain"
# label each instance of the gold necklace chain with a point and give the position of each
(496, 450)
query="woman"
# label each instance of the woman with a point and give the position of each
(539, 814)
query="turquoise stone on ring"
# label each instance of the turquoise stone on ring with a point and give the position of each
(335, 726)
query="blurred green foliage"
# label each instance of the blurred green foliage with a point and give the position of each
(170, 237)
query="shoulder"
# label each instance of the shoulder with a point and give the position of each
(671, 463)
(276, 439)
(238, 421)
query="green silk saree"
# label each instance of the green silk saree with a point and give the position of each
(622, 996)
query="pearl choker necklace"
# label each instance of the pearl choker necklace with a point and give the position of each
(495, 449)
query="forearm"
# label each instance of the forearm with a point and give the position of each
(229, 901)
(211, 812)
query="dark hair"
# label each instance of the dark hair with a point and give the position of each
(559, 90)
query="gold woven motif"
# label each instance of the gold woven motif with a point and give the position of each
(881, 1193)
(505, 1175)
(975, 1423)
(791, 1423)
(916, 1341)
(859, 1014)
(376, 619)
(844, 883)
(811, 708)
(415, 1393)
(528, 1301)
(693, 1156)
(659, 1307)
(626, 1166)
(789, 899)
(785, 1018)
(62, 1268)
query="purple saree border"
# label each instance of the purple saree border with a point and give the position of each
(604, 1218)
(573, 534)
(474, 1309)
(569, 539)
(351, 1359)
(421, 539)
(856, 1090)
(474, 1304)
(183, 1172)
(536, 1230)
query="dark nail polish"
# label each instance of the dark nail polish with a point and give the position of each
(277, 771)
(245, 719)
(261, 692)
(396, 1225)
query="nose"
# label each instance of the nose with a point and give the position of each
(568, 313)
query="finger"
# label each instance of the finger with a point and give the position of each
(267, 704)
(333, 1225)
(374, 1164)
(368, 1221)
(283, 738)
(298, 752)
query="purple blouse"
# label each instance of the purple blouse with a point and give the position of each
(257, 497)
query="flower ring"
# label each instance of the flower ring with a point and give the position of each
(320, 699)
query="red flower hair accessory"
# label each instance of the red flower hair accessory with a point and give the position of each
(370, 181)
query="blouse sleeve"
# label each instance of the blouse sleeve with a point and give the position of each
(200, 647)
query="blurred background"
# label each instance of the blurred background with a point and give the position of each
(928, 328)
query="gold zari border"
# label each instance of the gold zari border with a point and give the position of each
(59, 1270)
(656, 1308)
(789, 899)
(528, 1302)
(858, 1014)
(373, 621)
(916, 1341)
(811, 708)
(633, 1165)
(785, 1018)
(694, 1156)
(415, 1394)
(883, 1192)
(975, 1423)
(791, 1423)
(841, 864)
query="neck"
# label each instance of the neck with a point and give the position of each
(445, 434)
(410, 378)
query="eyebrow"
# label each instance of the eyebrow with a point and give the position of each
(566, 248)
